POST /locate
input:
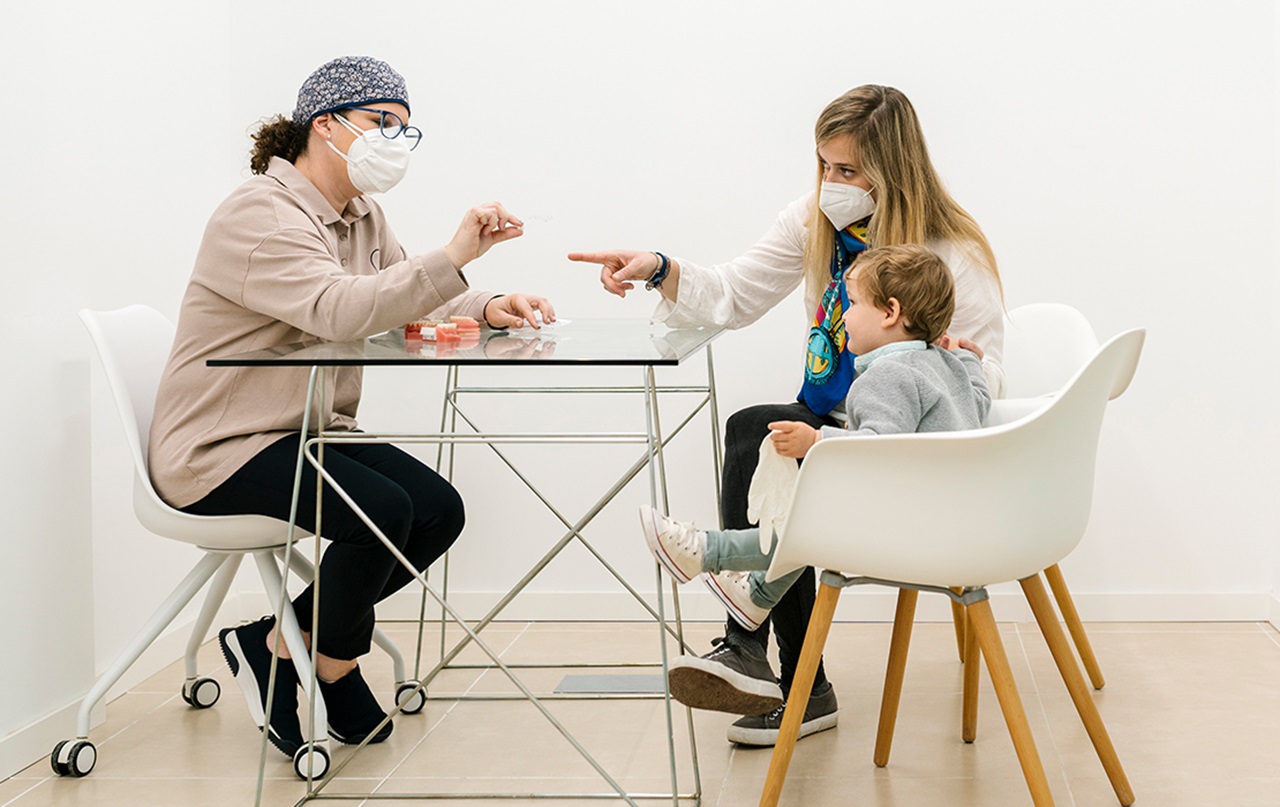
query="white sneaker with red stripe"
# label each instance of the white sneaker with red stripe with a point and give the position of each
(734, 590)
(679, 547)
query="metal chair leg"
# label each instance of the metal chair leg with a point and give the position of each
(175, 602)
(213, 600)
(958, 619)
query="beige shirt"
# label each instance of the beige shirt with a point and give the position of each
(278, 265)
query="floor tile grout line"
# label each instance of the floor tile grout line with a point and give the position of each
(1038, 693)
(724, 780)
(456, 703)
(36, 783)
(1270, 632)
(137, 720)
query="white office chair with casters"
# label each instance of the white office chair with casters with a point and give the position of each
(1002, 504)
(133, 344)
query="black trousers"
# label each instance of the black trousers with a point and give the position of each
(416, 509)
(743, 434)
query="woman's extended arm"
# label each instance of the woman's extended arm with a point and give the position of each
(729, 295)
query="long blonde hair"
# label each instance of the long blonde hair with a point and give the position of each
(912, 206)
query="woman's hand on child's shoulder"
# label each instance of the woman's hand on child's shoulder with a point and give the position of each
(952, 343)
(792, 438)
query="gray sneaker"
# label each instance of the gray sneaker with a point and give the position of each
(821, 714)
(731, 678)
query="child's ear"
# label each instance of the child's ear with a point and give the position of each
(892, 313)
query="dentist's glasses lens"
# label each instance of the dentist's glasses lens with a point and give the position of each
(391, 126)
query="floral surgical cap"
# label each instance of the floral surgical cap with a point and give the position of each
(349, 81)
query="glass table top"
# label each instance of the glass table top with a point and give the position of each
(578, 342)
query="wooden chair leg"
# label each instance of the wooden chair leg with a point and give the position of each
(1057, 640)
(972, 670)
(1072, 617)
(988, 636)
(903, 619)
(958, 619)
(824, 608)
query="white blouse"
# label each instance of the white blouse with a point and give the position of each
(739, 292)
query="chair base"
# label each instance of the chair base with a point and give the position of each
(78, 757)
(978, 636)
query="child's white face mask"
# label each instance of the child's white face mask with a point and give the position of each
(844, 204)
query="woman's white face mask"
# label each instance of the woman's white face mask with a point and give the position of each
(844, 204)
(375, 164)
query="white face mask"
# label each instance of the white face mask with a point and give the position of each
(374, 163)
(845, 204)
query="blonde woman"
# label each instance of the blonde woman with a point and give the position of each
(875, 186)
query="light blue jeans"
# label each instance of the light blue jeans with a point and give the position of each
(739, 551)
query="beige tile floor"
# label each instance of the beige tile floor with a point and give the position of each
(1194, 710)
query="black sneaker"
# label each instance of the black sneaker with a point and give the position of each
(731, 678)
(353, 711)
(245, 649)
(821, 714)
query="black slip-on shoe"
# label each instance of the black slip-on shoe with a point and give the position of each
(245, 649)
(353, 711)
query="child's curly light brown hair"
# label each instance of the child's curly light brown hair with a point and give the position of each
(914, 276)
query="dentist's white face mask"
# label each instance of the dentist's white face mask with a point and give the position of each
(375, 164)
(845, 204)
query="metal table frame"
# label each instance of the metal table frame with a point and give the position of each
(312, 451)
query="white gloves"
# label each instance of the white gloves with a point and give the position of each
(770, 495)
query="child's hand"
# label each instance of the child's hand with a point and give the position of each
(793, 439)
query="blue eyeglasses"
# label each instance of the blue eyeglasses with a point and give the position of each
(391, 126)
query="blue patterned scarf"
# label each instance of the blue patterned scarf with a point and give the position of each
(828, 366)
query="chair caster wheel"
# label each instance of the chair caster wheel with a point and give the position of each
(74, 758)
(201, 693)
(410, 698)
(312, 761)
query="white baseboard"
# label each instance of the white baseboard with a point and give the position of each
(21, 748)
(29, 744)
(856, 605)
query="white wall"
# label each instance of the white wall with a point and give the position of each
(1120, 156)
(117, 146)
(1275, 223)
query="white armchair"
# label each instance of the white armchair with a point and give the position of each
(959, 509)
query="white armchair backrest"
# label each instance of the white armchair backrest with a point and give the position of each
(958, 508)
(1045, 345)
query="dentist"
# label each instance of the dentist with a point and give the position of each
(302, 251)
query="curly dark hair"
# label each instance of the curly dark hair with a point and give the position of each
(277, 137)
